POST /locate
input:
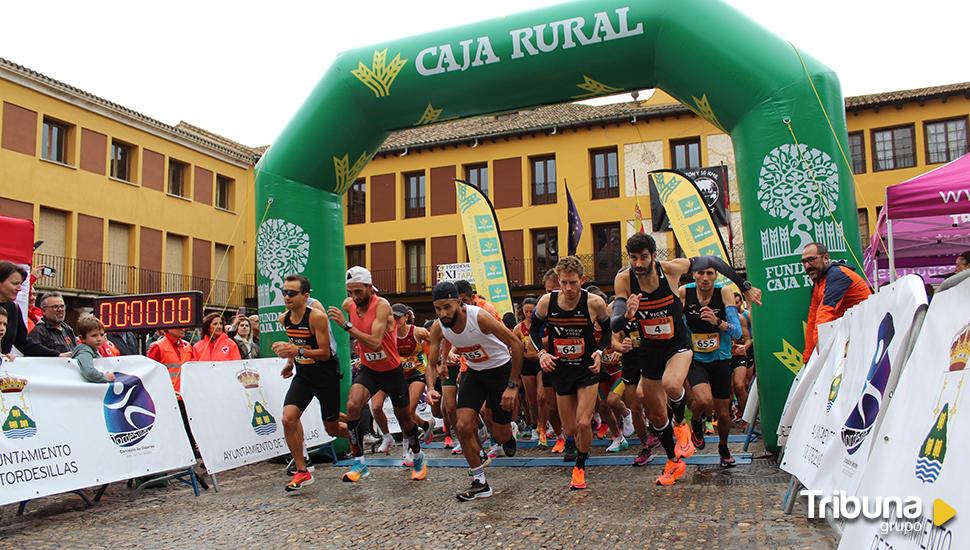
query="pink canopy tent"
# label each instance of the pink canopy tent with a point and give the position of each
(924, 225)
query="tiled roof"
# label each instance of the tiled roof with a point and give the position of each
(198, 136)
(574, 114)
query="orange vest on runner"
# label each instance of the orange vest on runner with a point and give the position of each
(385, 359)
(165, 352)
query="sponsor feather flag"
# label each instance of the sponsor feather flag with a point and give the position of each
(484, 239)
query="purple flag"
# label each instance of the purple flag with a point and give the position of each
(575, 223)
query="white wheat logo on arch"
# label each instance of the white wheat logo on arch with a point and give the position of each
(799, 184)
(282, 248)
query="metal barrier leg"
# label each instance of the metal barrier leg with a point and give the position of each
(100, 493)
(788, 503)
(215, 482)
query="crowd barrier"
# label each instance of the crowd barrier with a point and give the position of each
(235, 412)
(879, 414)
(62, 434)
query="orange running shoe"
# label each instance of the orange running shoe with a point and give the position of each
(578, 480)
(560, 445)
(449, 444)
(299, 481)
(684, 447)
(543, 441)
(673, 471)
(601, 432)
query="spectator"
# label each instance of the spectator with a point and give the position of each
(837, 288)
(34, 313)
(248, 347)
(91, 334)
(171, 350)
(125, 342)
(11, 278)
(3, 330)
(215, 345)
(466, 293)
(254, 322)
(963, 262)
(51, 331)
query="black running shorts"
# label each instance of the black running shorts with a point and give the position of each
(530, 367)
(567, 380)
(650, 360)
(391, 382)
(316, 381)
(486, 387)
(715, 373)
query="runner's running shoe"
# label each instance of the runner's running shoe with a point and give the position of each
(628, 424)
(420, 469)
(602, 431)
(727, 460)
(509, 447)
(543, 441)
(697, 433)
(356, 473)
(485, 458)
(619, 445)
(449, 443)
(429, 432)
(299, 481)
(578, 480)
(652, 440)
(536, 436)
(386, 444)
(673, 471)
(457, 449)
(408, 460)
(494, 450)
(644, 457)
(560, 445)
(684, 447)
(477, 490)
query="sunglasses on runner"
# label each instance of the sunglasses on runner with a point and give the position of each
(291, 293)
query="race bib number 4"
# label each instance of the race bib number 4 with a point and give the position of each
(569, 348)
(658, 329)
(373, 356)
(475, 354)
(705, 343)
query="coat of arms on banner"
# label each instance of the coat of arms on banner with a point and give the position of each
(263, 422)
(863, 416)
(281, 248)
(129, 411)
(13, 408)
(932, 453)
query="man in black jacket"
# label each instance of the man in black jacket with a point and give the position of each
(51, 331)
(11, 277)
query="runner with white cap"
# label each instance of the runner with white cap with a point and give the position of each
(371, 324)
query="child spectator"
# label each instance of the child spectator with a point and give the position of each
(91, 334)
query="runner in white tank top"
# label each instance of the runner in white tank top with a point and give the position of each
(494, 357)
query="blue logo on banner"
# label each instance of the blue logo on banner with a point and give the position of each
(690, 206)
(498, 293)
(489, 246)
(129, 412)
(484, 223)
(494, 269)
(701, 230)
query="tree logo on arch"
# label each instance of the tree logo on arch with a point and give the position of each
(283, 248)
(799, 184)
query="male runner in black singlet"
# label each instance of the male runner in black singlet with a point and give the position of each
(646, 293)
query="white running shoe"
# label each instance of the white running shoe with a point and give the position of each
(457, 449)
(515, 430)
(494, 450)
(628, 423)
(535, 434)
(618, 445)
(408, 460)
(386, 444)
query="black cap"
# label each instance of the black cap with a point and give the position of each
(399, 310)
(445, 290)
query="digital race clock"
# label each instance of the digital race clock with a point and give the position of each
(147, 312)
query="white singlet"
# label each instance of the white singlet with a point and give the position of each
(481, 351)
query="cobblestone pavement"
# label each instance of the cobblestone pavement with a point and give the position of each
(532, 508)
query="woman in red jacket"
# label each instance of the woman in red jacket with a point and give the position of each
(215, 344)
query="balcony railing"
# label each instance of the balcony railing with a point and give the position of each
(606, 187)
(93, 277)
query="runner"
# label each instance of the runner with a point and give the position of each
(741, 367)
(494, 357)
(627, 343)
(318, 375)
(372, 326)
(530, 369)
(712, 321)
(644, 294)
(571, 359)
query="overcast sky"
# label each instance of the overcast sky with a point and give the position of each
(242, 68)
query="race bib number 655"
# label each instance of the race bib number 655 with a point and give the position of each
(475, 354)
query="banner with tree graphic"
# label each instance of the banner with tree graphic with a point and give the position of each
(781, 108)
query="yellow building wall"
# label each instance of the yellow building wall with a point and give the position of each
(572, 151)
(47, 184)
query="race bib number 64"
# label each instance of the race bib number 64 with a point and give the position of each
(569, 348)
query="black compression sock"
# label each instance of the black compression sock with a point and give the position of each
(581, 459)
(413, 442)
(353, 426)
(509, 447)
(678, 407)
(666, 435)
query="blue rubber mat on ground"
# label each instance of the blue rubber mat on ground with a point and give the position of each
(523, 444)
(550, 461)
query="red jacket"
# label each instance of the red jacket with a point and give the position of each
(837, 289)
(221, 349)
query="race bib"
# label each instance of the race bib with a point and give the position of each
(475, 354)
(568, 348)
(705, 343)
(374, 356)
(661, 328)
(408, 365)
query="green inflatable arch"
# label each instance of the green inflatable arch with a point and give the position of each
(783, 110)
